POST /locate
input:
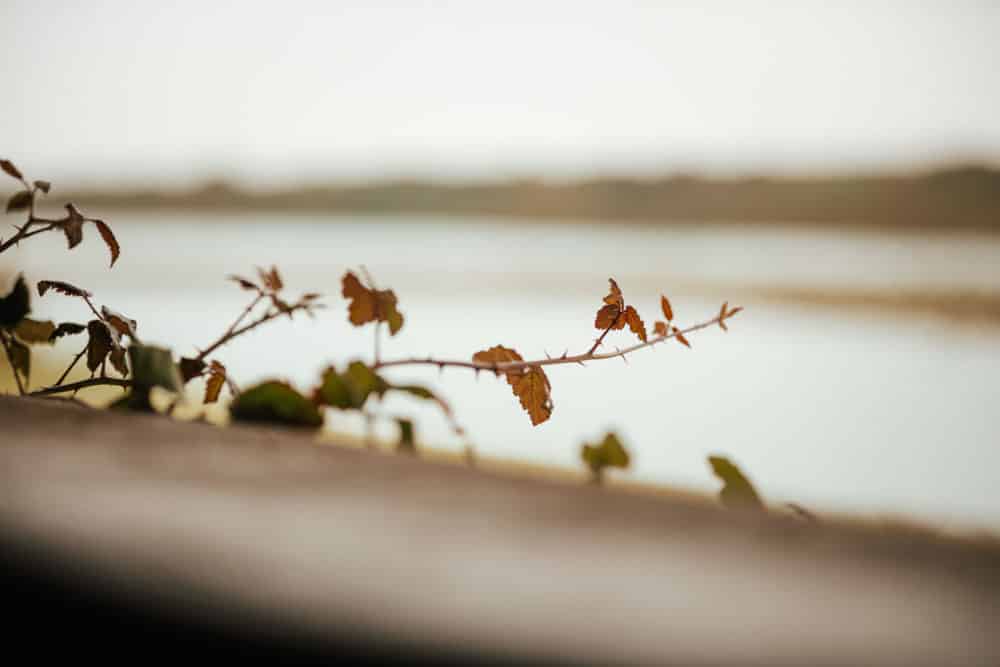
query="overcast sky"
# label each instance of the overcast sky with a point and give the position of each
(278, 91)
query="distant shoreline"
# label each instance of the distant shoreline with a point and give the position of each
(965, 198)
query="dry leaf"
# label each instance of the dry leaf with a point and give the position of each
(10, 169)
(124, 326)
(607, 317)
(498, 354)
(660, 328)
(44, 186)
(19, 201)
(109, 240)
(244, 283)
(72, 226)
(100, 344)
(534, 391)
(614, 297)
(680, 337)
(668, 312)
(368, 305)
(216, 378)
(635, 323)
(61, 287)
(271, 279)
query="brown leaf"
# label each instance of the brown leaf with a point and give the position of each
(668, 312)
(362, 308)
(67, 329)
(614, 297)
(635, 323)
(680, 337)
(19, 201)
(216, 378)
(498, 354)
(44, 186)
(9, 169)
(244, 283)
(109, 239)
(72, 226)
(271, 279)
(368, 305)
(117, 358)
(533, 389)
(607, 316)
(61, 287)
(191, 368)
(125, 326)
(660, 328)
(100, 344)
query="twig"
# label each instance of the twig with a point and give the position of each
(83, 384)
(72, 364)
(233, 332)
(506, 366)
(13, 368)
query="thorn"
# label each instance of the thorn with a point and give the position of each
(580, 361)
(565, 354)
(546, 354)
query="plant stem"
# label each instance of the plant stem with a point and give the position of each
(82, 384)
(70, 367)
(13, 368)
(506, 366)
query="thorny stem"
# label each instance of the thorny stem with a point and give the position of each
(13, 368)
(71, 365)
(506, 366)
(83, 384)
(597, 343)
(233, 331)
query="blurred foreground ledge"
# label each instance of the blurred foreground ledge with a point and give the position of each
(256, 543)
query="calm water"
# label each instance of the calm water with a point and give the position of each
(836, 410)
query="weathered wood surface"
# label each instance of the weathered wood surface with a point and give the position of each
(451, 561)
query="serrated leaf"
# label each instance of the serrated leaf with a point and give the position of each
(368, 305)
(16, 304)
(668, 311)
(407, 443)
(275, 402)
(20, 357)
(614, 297)
(9, 169)
(737, 491)
(498, 354)
(44, 186)
(99, 345)
(123, 326)
(607, 317)
(635, 323)
(533, 390)
(61, 287)
(216, 378)
(109, 240)
(67, 329)
(153, 367)
(19, 201)
(35, 331)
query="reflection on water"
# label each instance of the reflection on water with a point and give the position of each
(834, 409)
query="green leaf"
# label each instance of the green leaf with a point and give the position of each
(276, 402)
(153, 367)
(35, 331)
(19, 201)
(20, 358)
(365, 381)
(407, 443)
(608, 454)
(737, 491)
(16, 304)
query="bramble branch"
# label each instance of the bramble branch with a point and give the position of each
(590, 355)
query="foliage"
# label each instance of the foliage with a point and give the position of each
(113, 345)
(608, 454)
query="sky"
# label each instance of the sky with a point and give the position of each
(164, 93)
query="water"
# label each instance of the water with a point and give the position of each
(837, 410)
